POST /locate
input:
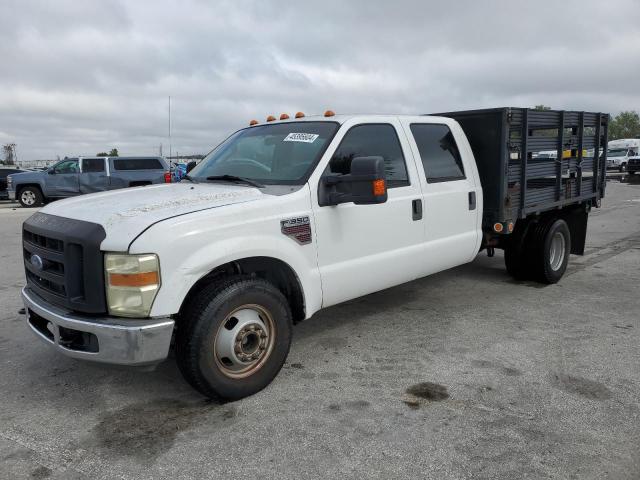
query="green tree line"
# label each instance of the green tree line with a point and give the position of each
(112, 153)
(624, 125)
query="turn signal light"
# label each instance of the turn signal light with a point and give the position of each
(284, 116)
(299, 115)
(271, 118)
(510, 227)
(498, 227)
(329, 113)
(167, 177)
(253, 122)
(133, 279)
(379, 187)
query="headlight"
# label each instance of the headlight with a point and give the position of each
(132, 283)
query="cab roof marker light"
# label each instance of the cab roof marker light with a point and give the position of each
(271, 118)
(253, 122)
(329, 113)
(284, 116)
(299, 115)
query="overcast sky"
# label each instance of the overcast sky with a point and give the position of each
(82, 76)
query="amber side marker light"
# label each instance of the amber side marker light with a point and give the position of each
(271, 118)
(379, 187)
(284, 116)
(253, 122)
(329, 113)
(498, 227)
(299, 115)
(133, 279)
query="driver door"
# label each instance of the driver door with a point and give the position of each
(366, 248)
(63, 180)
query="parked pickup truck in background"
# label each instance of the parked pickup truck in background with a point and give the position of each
(76, 176)
(619, 153)
(288, 217)
(633, 165)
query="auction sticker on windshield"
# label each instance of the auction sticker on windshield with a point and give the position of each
(301, 137)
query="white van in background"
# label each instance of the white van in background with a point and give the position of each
(619, 151)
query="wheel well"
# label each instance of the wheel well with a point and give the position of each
(576, 218)
(271, 269)
(21, 187)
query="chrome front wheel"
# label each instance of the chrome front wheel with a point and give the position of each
(244, 341)
(28, 197)
(233, 337)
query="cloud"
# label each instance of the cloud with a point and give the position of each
(82, 77)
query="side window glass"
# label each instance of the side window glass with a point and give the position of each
(90, 165)
(136, 164)
(439, 153)
(372, 140)
(68, 166)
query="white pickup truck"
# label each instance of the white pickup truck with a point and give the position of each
(288, 217)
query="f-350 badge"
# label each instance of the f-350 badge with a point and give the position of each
(298, 228)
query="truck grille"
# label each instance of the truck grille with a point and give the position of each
(63, 262)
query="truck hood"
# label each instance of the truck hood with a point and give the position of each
(25, 177)
(125, 213)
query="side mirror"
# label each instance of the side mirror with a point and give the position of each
(365, 185)
(190, 166)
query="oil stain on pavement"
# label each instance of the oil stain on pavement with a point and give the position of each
(424, 392)
(147, 430)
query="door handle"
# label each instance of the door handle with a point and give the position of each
(416, 209)
(472, 200)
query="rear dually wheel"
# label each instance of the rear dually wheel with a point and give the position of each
(552, 256)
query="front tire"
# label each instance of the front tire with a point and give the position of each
(30, 197)
(234, 337)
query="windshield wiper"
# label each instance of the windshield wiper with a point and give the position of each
(235, 179)
(191, 179)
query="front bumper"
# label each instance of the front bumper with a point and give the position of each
(113, 340)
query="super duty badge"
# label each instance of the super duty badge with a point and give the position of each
(297, 228)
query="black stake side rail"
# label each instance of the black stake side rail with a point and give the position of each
(535, 160)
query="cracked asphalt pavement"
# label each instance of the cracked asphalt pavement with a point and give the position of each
(466, 374)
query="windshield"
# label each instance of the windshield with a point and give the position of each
(618, 152)
(281, 153)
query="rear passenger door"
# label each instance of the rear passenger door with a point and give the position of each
(93, 175)
(451, 193)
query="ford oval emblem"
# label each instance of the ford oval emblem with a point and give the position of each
(37, 262)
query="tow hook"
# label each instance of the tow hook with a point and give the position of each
(491, 252)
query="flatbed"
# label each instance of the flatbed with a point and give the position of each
(531, 161)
